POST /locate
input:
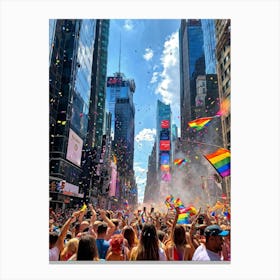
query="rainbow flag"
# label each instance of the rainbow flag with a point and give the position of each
(199, 124)
(192, 210)
(169, 201)
(178, 161)
(220, 160)
(178, 203)
(184, 218)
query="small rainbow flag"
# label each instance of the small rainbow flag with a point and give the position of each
(191, 209)
(199, 124)
(178, 203)
(169, 201)
(184, 218)
(220, 160)
(179, 161)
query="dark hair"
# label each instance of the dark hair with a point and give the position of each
(53, 236)
(102, 228)
(179, 236)
(148, 248)
(130, 235)
(87, 249)
(160, 235)
(115, 222)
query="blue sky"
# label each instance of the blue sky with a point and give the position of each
(150, 56)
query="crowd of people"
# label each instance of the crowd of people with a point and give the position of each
(89, 234)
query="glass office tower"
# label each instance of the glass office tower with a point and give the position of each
(70, 73)
(192, 64)
(119, 102)
(209, 38)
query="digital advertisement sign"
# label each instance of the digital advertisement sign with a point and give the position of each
(74, 149)
(165, 124)
(113, 182)
(111, 81)
(164, 134)
(165, 167)
(164, 158)
(164, 145)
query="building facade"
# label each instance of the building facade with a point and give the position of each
(192, 64)
(223, 31)
(72, 74)
(98, 84)
(120, 105)
(209, 44)
(151, 189)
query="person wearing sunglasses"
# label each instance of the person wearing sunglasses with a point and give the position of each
(211, 250)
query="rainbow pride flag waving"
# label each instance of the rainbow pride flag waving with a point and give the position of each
(199, 124)
(185, 213)
(220, 160)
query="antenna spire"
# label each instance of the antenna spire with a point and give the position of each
(120, 55)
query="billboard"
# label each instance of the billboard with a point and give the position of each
(164, 145)
(164, 124)
(74, 149)
(71, 188)
(112, 81)
(164, 158)
(113, 182)
(164, 134)
(165, 167)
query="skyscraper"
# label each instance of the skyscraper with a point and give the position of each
(72, 73)
(120, 104)
(151, 189)
(192, 64)
(98, 84)
(209, 38)
(163, 145)
(223, 31)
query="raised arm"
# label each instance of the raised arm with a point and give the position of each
(111, 226)
(174, 223)
(92, 220)
(64, 230)
(191, 233)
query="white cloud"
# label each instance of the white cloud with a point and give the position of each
(154, 78)
(140, 179)
(149, 54)
(139, 169)
(146, 134)
(168, 87)
(128, 25)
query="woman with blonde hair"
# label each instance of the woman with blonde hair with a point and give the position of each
(70, 249)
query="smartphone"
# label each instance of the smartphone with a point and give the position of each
(152, 209)
(144, 209)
